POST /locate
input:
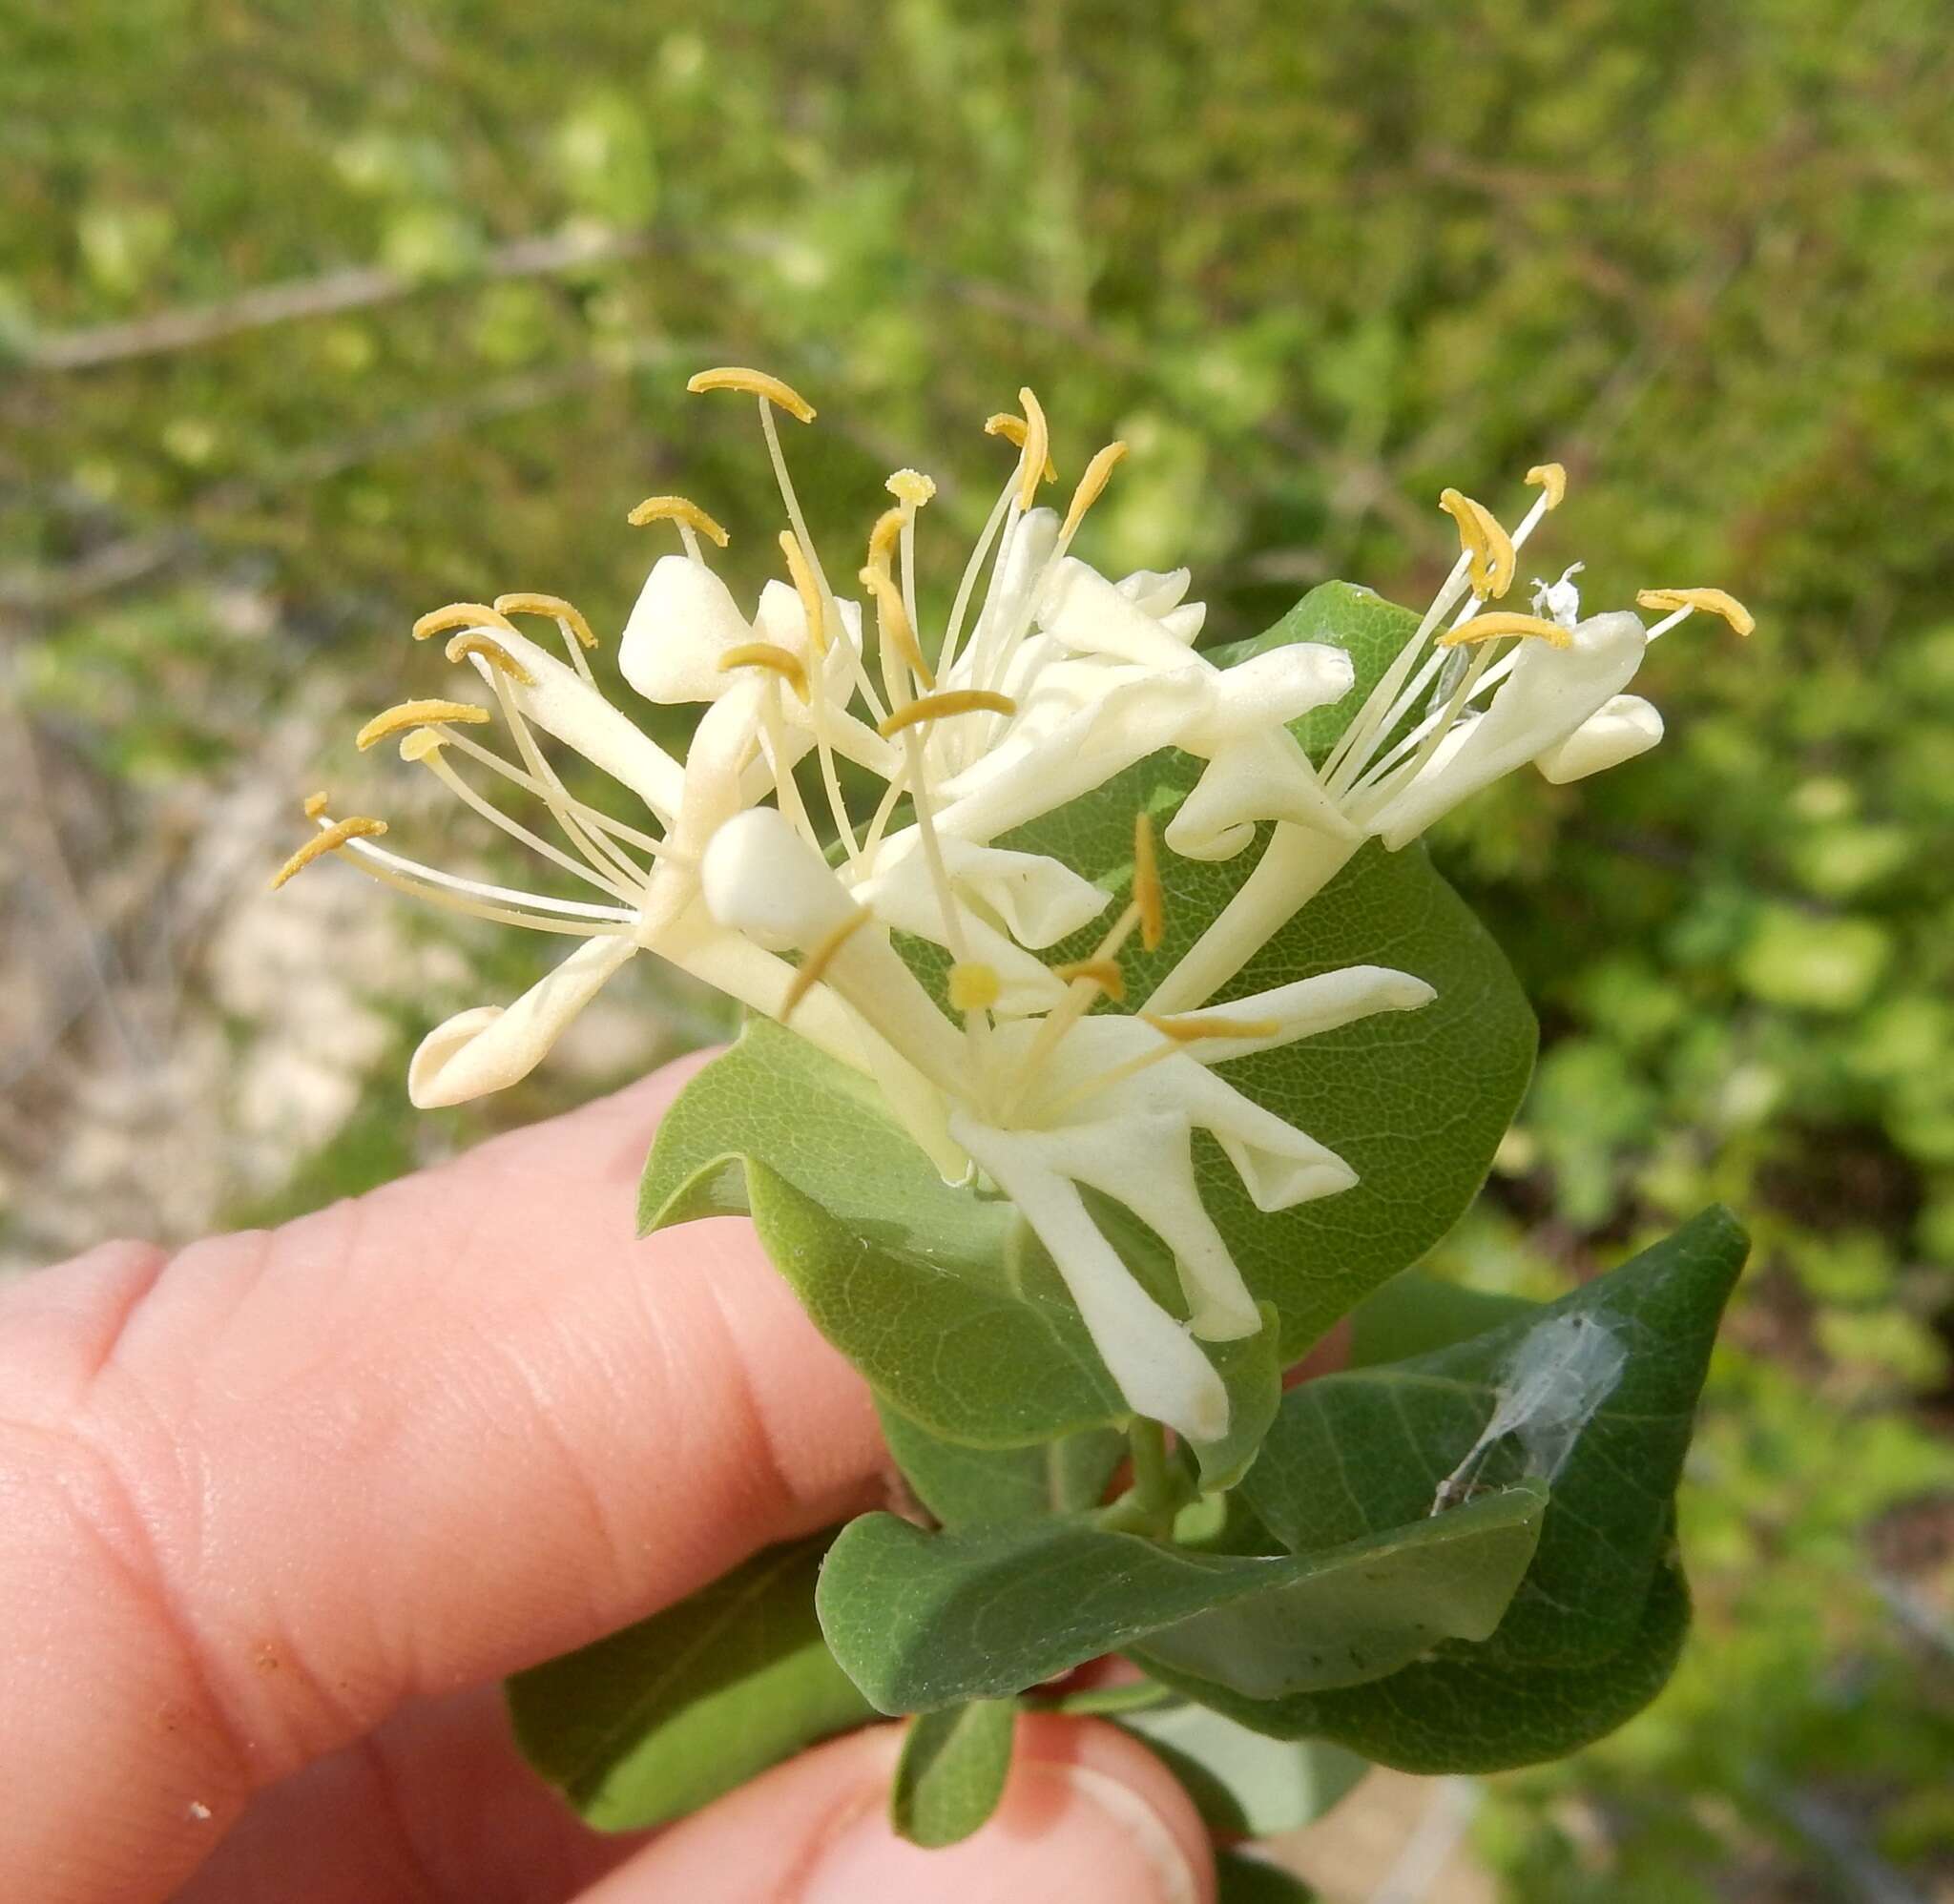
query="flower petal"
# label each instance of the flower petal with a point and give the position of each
(490, 1047)
(1151, 1358)
(683, 620)
(1625, 727)
(1549, 694)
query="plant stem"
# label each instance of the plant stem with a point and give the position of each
(1153, 1489)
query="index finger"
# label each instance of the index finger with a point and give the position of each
(261, 1492)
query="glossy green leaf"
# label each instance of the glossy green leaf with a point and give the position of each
(1463, 1714)
(923, 1621)
(1240, 1879)
(952, 1771)
(965, 1486)
(1414, 1313)
(661, 1718)
(1251, 1370)
(1356, 1453)
(1244, 1783)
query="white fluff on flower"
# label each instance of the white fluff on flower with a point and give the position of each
(1109, 1102)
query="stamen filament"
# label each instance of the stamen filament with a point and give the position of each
(588, 815)
(443, 771)
(362, 859)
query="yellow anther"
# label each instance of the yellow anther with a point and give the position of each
(953, 701)
(328, 839)
(1553, 478)
(554, 605)
(1011, 428)
(677, 509)
(1502, 622)
(424, 741)
(781, 662)
(808, 589)
(493, 651)
(1091, 486)
(461, 615)
(893, 619)
(1711, 601)
(820, 955)
(415, 713)
(884, 537)
(1105, 973)
(1036, 457)
(756, 384)
(1147, 895)
(1191, 1031)
(316, 803)
(1485, 541)
(974, 986)
(912, 487)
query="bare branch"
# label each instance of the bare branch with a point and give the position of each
(336, 292)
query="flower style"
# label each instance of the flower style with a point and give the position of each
(1048, 681)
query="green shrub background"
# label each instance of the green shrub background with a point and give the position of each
(1313, 264)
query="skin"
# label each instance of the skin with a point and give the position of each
(282, 1510)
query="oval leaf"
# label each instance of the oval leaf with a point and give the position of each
(921, 1621)
(661, 1718)
(952, 1771)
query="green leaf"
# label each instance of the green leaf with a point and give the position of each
(947, 1304)
(1352, 1454)
(965, 1486)
(1359, 620)
(661, 1718)
(1415, 1313)
(1462, 1713)
(1242, 1879)
(928, 1289)
(921, 1621)
(952, 1771)
(1251, 1369)
(1244, 1783)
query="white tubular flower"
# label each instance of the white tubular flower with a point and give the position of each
(1446, 719)
(1045, 1105)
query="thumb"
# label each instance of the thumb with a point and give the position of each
(1089, 1816)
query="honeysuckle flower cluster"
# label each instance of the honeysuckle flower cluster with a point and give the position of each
(1045, 680)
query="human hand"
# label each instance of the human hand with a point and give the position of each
(282, 1510)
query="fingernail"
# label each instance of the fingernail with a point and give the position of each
(1065, 1835)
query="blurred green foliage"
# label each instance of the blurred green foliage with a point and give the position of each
(1312, 265)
